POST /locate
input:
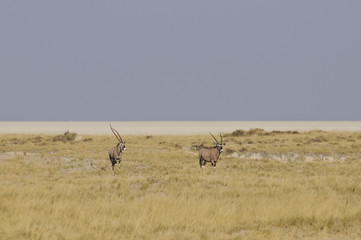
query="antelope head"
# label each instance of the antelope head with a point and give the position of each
(219, 145)
(121, 143)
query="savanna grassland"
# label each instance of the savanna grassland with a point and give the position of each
(267, 185)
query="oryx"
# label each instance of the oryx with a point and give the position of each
(211, 154)
(115, 153)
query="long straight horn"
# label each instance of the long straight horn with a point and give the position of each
(119, 136)
(214, 137)
(115, 133)
(221, 137)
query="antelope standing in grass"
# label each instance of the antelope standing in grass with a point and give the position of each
(211, 154)
(115, 153)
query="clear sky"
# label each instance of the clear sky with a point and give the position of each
(180, 60)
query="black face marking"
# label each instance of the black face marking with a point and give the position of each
(123, 147)
(220, 147)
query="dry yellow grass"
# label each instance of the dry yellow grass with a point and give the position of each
(50, 190)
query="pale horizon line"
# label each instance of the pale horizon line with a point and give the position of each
(168, 127)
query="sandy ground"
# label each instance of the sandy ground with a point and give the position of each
(171, 128)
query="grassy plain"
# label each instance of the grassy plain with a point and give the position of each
(54, 188)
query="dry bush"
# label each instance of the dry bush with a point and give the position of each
(66, 137)
(236, 133)
(250, 132)
(258, 132)
(87, 139)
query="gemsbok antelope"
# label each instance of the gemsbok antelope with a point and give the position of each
(115, 153)
(211, 154)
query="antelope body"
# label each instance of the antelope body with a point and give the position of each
(211, 154)
(115, 153)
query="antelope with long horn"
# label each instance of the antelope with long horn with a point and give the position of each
(211, 154)
(115, 153)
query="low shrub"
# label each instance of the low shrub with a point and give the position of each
(66, 137)
(258, 132)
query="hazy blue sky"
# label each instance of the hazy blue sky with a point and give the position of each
(180, 60)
